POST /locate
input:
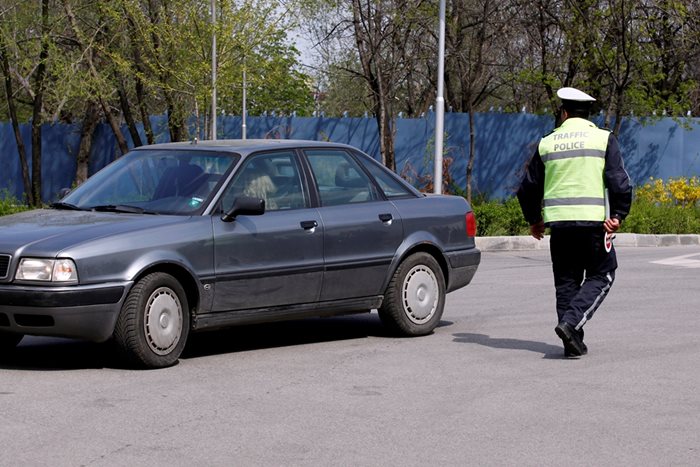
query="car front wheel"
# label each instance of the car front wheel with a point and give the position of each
(154, 322)
(415, 297)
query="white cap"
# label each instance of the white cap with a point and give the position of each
(573, 94)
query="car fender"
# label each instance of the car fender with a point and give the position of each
(177, 265)
(417, 241)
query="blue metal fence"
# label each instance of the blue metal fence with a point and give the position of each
(504, 142)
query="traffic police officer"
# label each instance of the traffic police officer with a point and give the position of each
(575, 168)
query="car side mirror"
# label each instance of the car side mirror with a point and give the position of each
(245, 206)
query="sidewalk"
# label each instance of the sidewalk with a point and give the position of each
(621, 240)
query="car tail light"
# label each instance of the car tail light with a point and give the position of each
(471, 224)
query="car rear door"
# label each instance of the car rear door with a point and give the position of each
(361, 229)
(272, 259)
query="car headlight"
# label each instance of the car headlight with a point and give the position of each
(50, 270)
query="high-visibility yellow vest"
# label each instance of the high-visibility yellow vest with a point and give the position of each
(574, 161)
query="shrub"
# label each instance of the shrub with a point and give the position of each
(9, 204)
(496, 218)
(659, 207)
(648, 217)
(665, 207)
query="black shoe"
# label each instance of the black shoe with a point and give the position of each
(573, 344)
(569, 352)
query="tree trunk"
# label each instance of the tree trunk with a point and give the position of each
(618, 111)
(126, 111)
(139, 85)
(90, 120)
(368, 32)
(114, 125)
(174, 122)
(147, 128)
(38, 104)
(12, 109)
(386, 142)
(472, 153)
(386, 129)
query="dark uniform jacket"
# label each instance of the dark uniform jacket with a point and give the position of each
(531, 191)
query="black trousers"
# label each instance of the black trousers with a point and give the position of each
(583, 272)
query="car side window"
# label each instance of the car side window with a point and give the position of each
(273, 177)
(340, 180)
(391, 187)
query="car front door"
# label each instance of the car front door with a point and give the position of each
(275, 258)
(362, 230)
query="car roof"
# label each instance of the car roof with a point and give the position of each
(243, 147)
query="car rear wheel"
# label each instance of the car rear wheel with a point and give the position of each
(9, 340)
(154, 322)
(415, 297)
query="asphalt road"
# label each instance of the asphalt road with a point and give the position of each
(489, 387)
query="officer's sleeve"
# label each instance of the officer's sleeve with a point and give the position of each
(531, 190)
(617, 181)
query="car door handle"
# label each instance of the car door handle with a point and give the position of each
(309, 225)
(386, 218)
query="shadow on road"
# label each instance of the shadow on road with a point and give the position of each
(57, 354)
(283, 334)
(548, 350)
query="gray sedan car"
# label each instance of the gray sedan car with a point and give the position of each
(176, 238)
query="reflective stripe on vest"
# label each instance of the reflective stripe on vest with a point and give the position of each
(574, 161)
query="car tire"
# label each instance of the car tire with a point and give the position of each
(415, 297)
(154, 322)
(9, 340)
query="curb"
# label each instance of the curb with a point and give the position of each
(621, 240)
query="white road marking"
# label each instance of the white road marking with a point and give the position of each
(684, 261)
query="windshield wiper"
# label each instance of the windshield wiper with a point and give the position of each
(68, 206)
(125, 208)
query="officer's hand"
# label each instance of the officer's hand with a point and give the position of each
(537, 230)
(611, 225)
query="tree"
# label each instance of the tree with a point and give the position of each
(125, 60)
(475, 40)
(387, 38)
(99, 83)
(26, 52)
(12, 111)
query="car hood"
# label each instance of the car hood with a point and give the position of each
(49, 230)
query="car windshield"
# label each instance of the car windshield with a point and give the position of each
(153, 182)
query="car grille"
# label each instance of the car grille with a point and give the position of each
(4, 265)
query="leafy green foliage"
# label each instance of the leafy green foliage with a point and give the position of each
(499, 218)
(652, 213)
(9, 204)
(666, 207)
(654, 218)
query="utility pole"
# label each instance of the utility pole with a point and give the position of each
(440, 104)
(213, 70)
(245, 111)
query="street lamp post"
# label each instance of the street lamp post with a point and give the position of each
(243, 114)
(213, 70)
(440, 104)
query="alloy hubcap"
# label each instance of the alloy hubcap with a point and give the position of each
(163, 323)
(420, 294)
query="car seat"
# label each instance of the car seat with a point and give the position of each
(182, 180)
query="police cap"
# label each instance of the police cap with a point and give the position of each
(574, 99)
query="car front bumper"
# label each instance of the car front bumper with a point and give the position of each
(84, 312)
(462, 267)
